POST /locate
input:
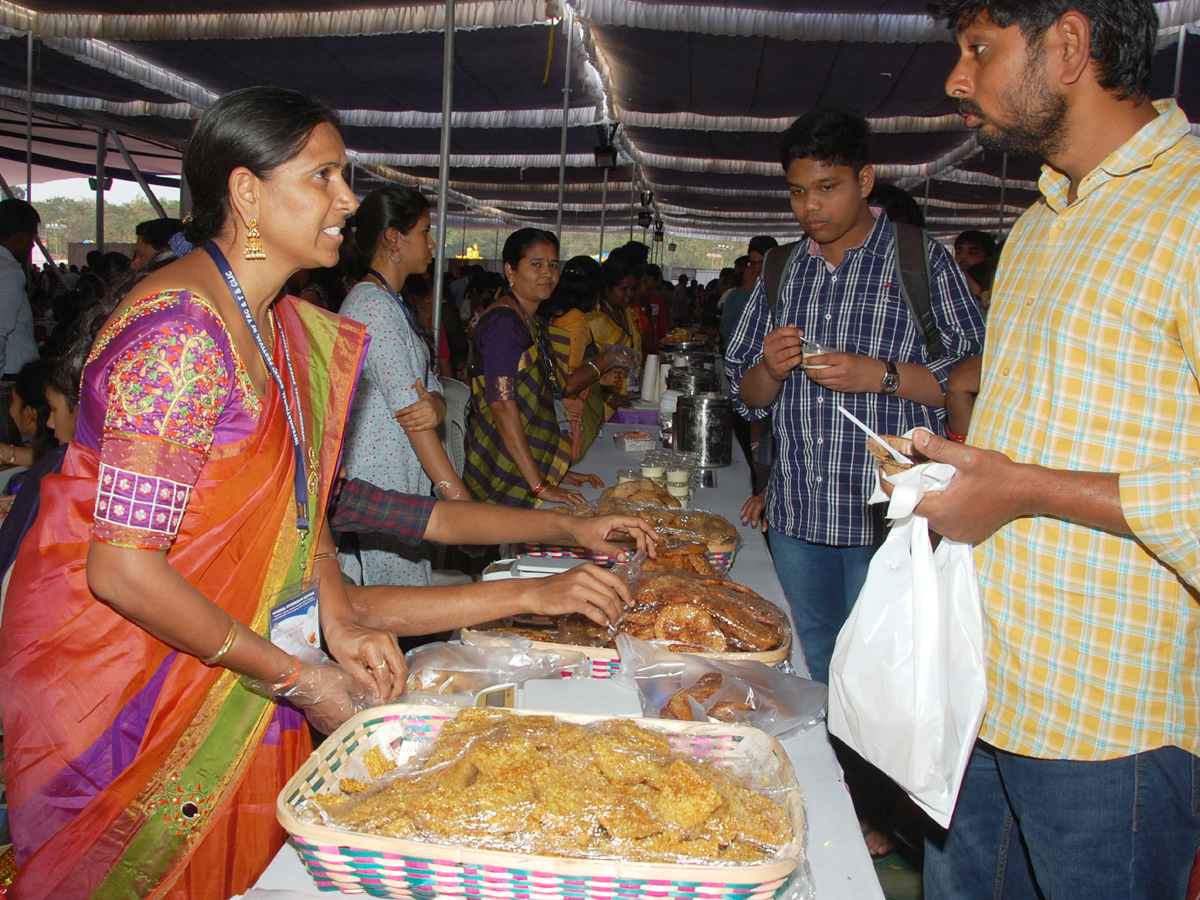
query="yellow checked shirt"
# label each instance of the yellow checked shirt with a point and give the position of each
(1093, 640)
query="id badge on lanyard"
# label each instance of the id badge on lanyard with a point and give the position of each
(551, 368)
(560, 410)
(294, 618)
(295, 621)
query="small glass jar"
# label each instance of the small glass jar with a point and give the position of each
(653, 471)
(624, 475)
(654, 465)
(677, 474)
(680, 492)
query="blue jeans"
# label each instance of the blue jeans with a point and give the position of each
(821, 584)
(1027, 829)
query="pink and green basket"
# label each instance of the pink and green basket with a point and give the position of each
(390, 867)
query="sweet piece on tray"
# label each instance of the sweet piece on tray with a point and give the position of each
(642, 490)
(681, 611)
(536, 784)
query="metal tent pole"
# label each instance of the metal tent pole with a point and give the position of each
(562, 152)
(603, 211)
(29, 117)
(1003, 185)
(1179, 60)
(632, 208)
(101, 154)
(137, 174)
(925, 211)
(443, 174)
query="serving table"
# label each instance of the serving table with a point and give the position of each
(837, 857)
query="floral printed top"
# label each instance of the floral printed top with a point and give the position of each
(163, 385)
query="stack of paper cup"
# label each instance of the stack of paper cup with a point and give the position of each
(650, 378)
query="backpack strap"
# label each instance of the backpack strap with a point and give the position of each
(777, 261)
(912, 268)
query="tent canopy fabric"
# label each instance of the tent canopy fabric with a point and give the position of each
(700, 91)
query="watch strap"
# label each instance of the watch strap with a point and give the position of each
(891, 380)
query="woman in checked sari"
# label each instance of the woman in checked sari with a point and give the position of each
(518, 443)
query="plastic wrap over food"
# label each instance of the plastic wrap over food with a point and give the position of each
(607, 789)
(698, 689)
(452, 674)
(679, 611)
(693, 524)
(623, 356)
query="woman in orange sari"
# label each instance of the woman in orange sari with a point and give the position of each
(192, 497)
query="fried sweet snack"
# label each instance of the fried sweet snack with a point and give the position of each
(353, 786)
(641, 490)
(680, 556)
(748, 622)
(681, 611)
(445, 681)
(539, 785)
(679, 707)
(376, 763)
(889, 463)
(717, 532)
(690, 627)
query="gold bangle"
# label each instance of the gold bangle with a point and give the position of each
(599, 374)
(321, 556)
(537, 489)
(220, 654)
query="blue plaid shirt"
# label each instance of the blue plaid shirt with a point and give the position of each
(823, 472)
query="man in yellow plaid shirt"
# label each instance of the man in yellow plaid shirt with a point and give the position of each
(1080, 481)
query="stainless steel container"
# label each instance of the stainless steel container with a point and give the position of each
(692, 359)
(703, 425)
(693, 381)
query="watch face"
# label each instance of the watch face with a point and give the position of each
(890, 381)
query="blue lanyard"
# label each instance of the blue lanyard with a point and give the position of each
(297, 432)
(387, 286)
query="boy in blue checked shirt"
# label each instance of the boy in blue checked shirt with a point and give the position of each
(841, 289)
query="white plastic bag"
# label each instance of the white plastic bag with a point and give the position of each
(907, 683)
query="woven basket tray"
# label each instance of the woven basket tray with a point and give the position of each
(606, 662)
(390, 867)
(720, 559)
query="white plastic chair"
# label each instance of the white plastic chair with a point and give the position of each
(458, 396)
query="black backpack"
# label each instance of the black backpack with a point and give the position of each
(912, 264)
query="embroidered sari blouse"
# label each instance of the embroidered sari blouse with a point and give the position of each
(162, 385)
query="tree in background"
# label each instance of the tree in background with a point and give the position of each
(79, 217)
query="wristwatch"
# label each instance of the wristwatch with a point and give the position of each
(891, 380)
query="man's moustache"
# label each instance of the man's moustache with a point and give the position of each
(969, 108)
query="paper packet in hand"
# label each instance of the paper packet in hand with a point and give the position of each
(909, 483)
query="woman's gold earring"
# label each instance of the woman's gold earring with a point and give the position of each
(254, 247)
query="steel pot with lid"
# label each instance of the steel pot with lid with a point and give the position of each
(703, 425)
(693, 381)
(692, 359)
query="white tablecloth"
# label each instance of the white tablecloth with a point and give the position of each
(838, 858)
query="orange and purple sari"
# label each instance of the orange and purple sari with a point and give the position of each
(132, 769)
